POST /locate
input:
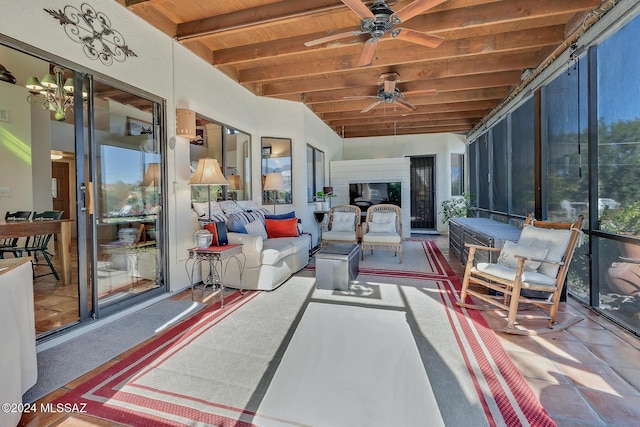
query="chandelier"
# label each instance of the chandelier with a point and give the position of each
(58, 96)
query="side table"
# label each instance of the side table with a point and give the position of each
(215, 257)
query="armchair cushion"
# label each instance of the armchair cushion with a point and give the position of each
(382, 227)
(385, 217)
(343, 221)
(553, 240)
(530, 279)
(510, 249)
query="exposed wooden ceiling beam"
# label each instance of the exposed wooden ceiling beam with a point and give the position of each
(403, 53)
(264, 14)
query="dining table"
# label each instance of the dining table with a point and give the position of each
(59, 227)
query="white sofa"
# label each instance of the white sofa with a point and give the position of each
(268, 263)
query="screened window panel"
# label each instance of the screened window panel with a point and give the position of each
(619, 127)
(473, 175)
(522, 174)
(500, 168)
(483, 171)
(566, 111)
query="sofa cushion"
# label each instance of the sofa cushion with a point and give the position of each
(287, 215)
(256, 228)
(276, 249)
(203, 208)
(230, 207)
(281, 227)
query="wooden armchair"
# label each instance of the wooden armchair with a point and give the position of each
(383, 229)
(342, 225)
(539, 261)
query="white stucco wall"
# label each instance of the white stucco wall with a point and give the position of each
(441, 146)
(166, 69)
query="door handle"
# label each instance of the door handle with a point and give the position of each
(87, 198)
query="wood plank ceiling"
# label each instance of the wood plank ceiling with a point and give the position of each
(486, 47)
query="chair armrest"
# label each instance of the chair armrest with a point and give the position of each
(547, 261)
(484, 248)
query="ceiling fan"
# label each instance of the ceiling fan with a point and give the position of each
(378, 20)
(390, 94)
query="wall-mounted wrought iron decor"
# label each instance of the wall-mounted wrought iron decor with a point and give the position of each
(93, 30)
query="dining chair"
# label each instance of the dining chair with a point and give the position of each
(10, 245)
(40, 244)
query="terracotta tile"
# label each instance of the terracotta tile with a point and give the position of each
(519, 343)
(78, 420)
(564, 400)
(595, 336)
(534, 366)
(631, 375)
(617, 411)
(617, 355)
(598, 377)
(572, 351)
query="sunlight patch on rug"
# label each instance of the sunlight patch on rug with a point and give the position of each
(326, 376)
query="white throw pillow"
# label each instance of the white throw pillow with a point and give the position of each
(382, 227)
(256, 228)
(203, 211)
(343, 221)
(510, 249)
(385, 217)
(230, 207)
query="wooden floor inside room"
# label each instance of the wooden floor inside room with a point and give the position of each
(587, 375)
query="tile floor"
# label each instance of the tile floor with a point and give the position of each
(587, 375)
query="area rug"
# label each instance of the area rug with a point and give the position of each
(65, 362)
(299, 356)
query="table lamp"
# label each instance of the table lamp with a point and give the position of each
(273, 182)
(208, 173)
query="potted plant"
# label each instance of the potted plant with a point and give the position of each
(458, 207)
(322, 200)
(625, 221)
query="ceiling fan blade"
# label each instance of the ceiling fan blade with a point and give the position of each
(389, 85)
(359, 8)
(413, 36)
(368, 51)
(420, 92)
(359, 97)
(371, 107)
(413, 9)
(330, 38)
(404, 104)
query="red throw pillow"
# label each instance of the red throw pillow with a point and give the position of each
(281, 227)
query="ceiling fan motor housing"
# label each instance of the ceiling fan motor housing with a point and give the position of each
(382, 23)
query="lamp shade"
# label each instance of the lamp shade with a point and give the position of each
(208, 173)
(273, 181)
(151, 176)
(186, 123)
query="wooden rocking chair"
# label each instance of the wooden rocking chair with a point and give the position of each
(538, 262)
